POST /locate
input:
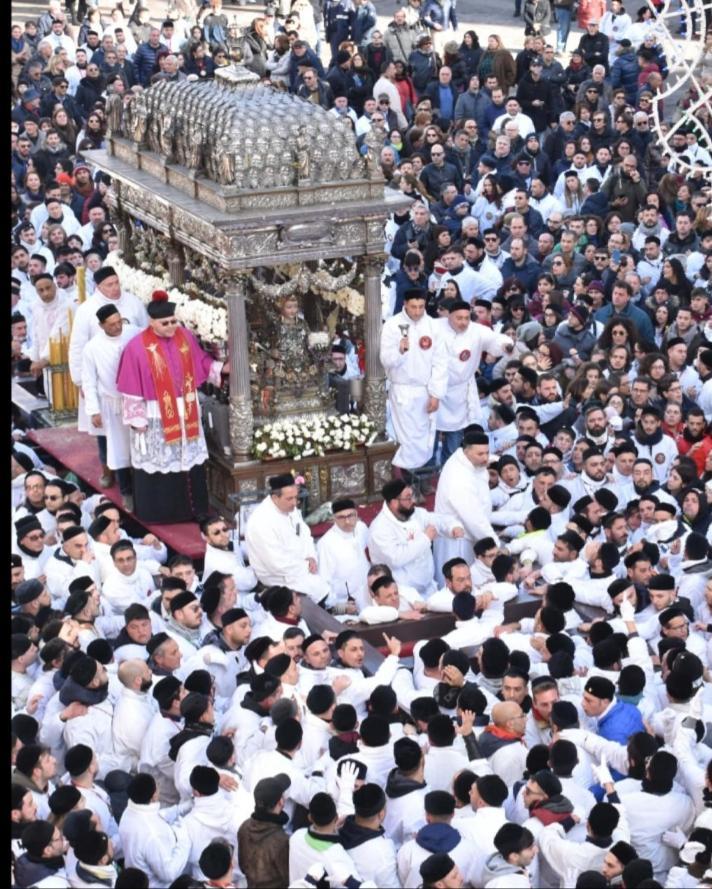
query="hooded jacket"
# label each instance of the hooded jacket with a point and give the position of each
(39, 872)
(498, 872)
(434, 838)
(373, 853)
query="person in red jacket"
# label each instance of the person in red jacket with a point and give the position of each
(695, 440)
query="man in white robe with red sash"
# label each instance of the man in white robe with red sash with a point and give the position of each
(159, 374)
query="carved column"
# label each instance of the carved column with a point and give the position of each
(375, 375)
(175, 266)
(241, 422)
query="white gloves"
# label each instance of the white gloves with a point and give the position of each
(601, 772)
(627, 610)
(696, 705)
(675, 838)
(345, 783)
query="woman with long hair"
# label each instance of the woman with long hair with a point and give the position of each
(618, 332)
(498, 61)
(56, 239)
(592, 231)
(488, 208)
(361, 83)
(573, 196)
(562, 271)
(471, 52)
(94, 132)
(441, 240)
(674, 281)
(550, 319)
(433, 136)
(662, 320)
(64, 125)
(32, 189)
(653, 365)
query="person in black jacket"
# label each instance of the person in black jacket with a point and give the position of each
(339, 75)
(534, 95)
(60, 96)
(594, 46)
(90, 88)
(315, 90)
(439, 172)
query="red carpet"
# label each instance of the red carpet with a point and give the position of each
(77, 452)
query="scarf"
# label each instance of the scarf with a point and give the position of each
(191, 636)
(104, 874)
(501, 733)
(270, 817)
(165, 390)
(17, 44)
(648, 440)
(554, 810)
(27, 551)
(190, 731)
(71, 691)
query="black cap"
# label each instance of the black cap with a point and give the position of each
(436, 867)
(103, 273)
(277, 482)
(160, 306)
(268, 791)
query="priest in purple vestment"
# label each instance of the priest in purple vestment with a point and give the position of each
(159, 374)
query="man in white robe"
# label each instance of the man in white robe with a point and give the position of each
(279, 542)
(223, 554)
(342, 555)
(401, 535)
(51, 316)
(86, 325)
(464, 493)
(415, 362)
(102, 400)
(464, 343)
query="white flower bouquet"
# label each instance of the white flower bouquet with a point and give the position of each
(309, 438)
(208, 322)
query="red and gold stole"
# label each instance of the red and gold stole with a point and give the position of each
(165, 391)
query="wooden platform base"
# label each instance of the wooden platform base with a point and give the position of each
(359, 474)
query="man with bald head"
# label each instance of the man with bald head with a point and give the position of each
(502, 742)
(134, 710)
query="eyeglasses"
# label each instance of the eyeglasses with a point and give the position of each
(52, 497)
(36, 536)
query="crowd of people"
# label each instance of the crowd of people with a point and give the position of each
(547, 343)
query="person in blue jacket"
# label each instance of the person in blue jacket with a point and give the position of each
(625, 70)
(620, 304)
(616, 720)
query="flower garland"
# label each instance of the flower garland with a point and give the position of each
(299, 279)
(312, 438)
(209, 322)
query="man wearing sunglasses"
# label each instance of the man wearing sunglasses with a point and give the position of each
(159, 374)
